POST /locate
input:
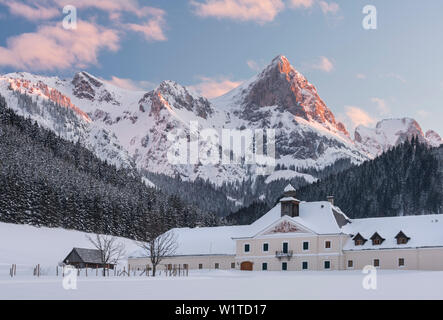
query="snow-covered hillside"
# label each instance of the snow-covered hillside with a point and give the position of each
(26, 245)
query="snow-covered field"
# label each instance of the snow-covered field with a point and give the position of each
(232, 285)
(28, 246)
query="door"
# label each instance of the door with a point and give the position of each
(285, 247)
(246, 266)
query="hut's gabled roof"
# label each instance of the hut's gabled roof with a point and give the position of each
(89, 255)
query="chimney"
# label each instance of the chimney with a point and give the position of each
(331, 199)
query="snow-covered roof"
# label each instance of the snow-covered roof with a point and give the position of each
(289, 187)
(316, 216)
(321, 218)
(423, 231)
(288, 199)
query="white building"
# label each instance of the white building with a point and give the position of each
(297, 235)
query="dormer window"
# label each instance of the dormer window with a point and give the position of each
(402, 238)
(359, 240)
(377, 239)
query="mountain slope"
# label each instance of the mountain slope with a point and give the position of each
(407, 180)
(392, 132)
(48, 181)
(136, 129)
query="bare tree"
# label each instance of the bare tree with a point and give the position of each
(111, 251)
(156, 243)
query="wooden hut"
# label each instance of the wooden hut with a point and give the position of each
(86, 258)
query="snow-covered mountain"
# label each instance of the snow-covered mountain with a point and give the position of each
(280, 98)
(392, 132)
(131, 128)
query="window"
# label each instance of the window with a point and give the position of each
(327, 244)
(401, 262)
(304, 265)
(264, 266)
(285, 247)
(284, 266)
(376, 263)
(200, 266)
(402, 241)
(350, 264)
(402, 238)
(305, 246)
(359, 240)
(327, 264)
(265, 247)
(377, 239)
(217, 266)
(233, 265)
(247, 247)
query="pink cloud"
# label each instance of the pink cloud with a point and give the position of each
(53, 47)
(153, 29)
(33, 12)
(324, 64)
(329, 7)
(129, 84)
(301, 3)
(243, 10)
(214, 87)
(358, 116)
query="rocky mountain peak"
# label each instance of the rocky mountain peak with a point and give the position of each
(282, 86)
(86, 86)
(433, 138)
(392, 132)
(170, 94)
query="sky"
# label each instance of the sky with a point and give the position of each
(395, 70)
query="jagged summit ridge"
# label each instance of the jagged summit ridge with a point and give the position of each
(280, 85)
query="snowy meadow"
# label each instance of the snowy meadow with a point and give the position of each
(28, 246)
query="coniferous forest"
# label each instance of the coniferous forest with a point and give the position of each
(48, 181)
(407, 180)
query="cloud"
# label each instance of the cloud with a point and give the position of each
(33, 12)
(243, 10)
(423, 113)
(153, 29)
(329, 7)
(214, 87)
(129, 84)
(253, 65)
(360, 76)
(301, 4)
(324, 64)
(394, 76)
(358, 116)
(382, 106)
(112, 6)
(53, 47)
